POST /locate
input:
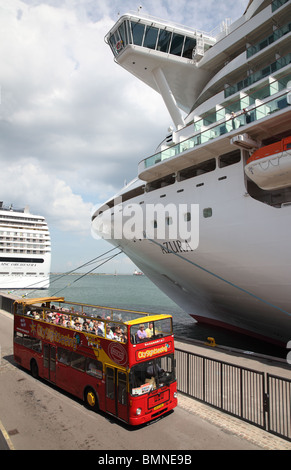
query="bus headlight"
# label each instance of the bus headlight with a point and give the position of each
(175, 395)
(138, 411)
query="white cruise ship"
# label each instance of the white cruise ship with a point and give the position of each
(25, 250)
(229, 154)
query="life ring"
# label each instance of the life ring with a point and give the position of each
(118, 45)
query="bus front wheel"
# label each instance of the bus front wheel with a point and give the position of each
(91, 399)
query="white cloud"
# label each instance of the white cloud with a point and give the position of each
(26, 181)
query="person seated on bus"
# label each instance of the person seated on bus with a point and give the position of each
(118, 333)
(100, 328)
(141, 334)
(35, 315)
(109, 333)
(78, 325)
(85, 326)
(150, 330)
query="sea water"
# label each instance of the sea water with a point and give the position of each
(139, 293)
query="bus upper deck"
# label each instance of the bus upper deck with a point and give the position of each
(131, 329)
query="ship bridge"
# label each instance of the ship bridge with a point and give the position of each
(163, 55)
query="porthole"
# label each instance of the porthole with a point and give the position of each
(207, 212)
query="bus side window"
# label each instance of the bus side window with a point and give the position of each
(64, 356)
(78, 361)
(109, 383)
(122, 391)
(94, 367)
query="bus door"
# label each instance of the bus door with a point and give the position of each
(116, 392)
(49, 362)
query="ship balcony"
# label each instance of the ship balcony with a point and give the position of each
(256, 120)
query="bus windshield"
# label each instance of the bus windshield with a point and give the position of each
(153, 329)
(152, 374)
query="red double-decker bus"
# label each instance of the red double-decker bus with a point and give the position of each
(117, 361)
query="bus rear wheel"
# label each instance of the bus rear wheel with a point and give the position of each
(91, 399)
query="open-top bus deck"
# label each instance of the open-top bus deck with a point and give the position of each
(118, 361)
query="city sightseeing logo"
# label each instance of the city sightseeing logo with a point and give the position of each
(178, 223)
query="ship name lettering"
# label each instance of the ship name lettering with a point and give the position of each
(175, 246)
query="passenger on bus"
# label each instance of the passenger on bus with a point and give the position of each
(118, 333)
(85, 326)
(150, 330)
(78, 325)
(109, 333)
(141, 334)
(100, 328)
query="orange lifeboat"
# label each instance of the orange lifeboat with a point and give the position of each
(270, 166)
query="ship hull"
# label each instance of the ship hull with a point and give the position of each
(21, 275)
(239, 275)
(37, 282)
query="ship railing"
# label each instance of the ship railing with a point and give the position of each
(229, 123)
(258, 75)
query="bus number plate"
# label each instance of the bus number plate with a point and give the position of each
(158, 406)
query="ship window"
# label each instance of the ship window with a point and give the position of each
(137, 33)
(187, 216)
(229, 158)
(164, 41)
(161, 183)
(150, 38)
(123, 33)
(197, 170)
(207, 212)
(177, 44)
(190, 43)
(113, 41)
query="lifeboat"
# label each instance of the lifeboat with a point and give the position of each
(270, 166)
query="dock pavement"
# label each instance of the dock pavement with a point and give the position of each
(222, 420)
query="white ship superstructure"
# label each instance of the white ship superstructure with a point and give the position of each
(25, 249)
(235, 87)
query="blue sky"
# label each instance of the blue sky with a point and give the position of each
(72, 122)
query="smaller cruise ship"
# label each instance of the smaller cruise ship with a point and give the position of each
(25, 249)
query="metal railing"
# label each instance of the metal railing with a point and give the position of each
(250, 395)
